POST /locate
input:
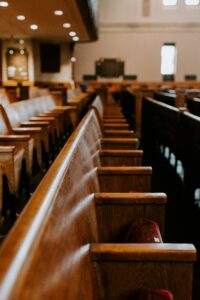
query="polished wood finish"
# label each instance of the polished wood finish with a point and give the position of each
(59, 207)
(119, 143)
(121, 157)
(111, 129)
(48, 255)
(125, 179)
(116, 211)
(122, 269)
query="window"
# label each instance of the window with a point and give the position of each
(191, 2)
(169, 2)
(168, 59)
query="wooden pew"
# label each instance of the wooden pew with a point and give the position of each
(116, 211)
(36, 134)
(193, 106)
(133, 106)
(189, 151)
(11, 175)
(119, 143)
(110, 129)
(16, 168)
(167, 98)
(49, 250)
(122, 269)
(55, 122)
(121, 157)
(160, 128)
(107, 112)
(4, 100)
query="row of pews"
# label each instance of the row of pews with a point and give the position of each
(177, 129)
(32, 132)
(93, 228)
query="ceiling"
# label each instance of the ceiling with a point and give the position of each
(41, 12)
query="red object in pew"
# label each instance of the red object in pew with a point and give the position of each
(156, 295)
(143, 231)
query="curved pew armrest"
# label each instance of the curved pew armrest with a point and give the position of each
(49, 114)
(30, 130)
(35, 123)
(124, 179)
(121, 152)
(118, 133)
(42, 119)
(125, 143)
(124, 170)
(130, 198)
(14, 138)
(115, 126)
(119, 140)
(64, 108)
(116, 211)
(7, 149)
(147, 252)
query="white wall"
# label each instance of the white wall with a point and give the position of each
(137, 39)
(141, 53)
(131, 11)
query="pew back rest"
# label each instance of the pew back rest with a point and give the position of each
(3, 127)
(4, 122)
(190, 128)
(163, 121)
(35, 92)
(48, 249)
(4, 98)
(97, 103)
(22, 111)
(194, 106)
(44, 103)
(167, 98)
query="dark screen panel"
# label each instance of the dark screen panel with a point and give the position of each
(50, 58)
(190, 77)
(109, 67)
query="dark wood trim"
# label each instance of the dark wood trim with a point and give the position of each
(1, 70)
(88, 16)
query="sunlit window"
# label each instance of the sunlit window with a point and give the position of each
(191, 2)
(169, 2)
(168, 59)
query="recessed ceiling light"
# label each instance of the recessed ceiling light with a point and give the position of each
(3, 3)
(73, 59)
(58, 12)
(72, 33)
(66, 25)
(22, 51)
(34, 27)
(11, 51)
(75, 38)
(21, 42)
(21, 18)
